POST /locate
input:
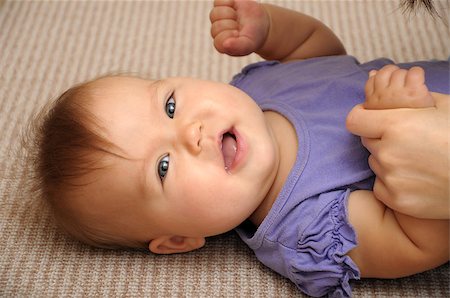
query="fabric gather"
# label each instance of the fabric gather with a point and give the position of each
(322, 267)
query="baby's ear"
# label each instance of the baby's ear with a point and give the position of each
(175, 244)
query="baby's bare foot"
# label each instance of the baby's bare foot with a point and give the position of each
(392, 87)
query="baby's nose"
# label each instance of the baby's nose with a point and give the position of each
(190, 136)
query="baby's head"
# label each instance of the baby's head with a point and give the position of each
(128, 162)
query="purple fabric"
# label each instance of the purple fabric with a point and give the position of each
(306, 235)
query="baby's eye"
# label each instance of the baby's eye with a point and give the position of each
(170, 107)
(163, 167)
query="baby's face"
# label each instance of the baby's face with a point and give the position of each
(200, 157)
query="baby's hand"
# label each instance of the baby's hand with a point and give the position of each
(392, 87)
(239, 27)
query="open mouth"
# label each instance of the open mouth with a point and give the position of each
(229, 149)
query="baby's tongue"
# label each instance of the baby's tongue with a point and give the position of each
(229, 148)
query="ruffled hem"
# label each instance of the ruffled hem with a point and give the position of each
(322, 266)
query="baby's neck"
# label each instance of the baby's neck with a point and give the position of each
(286, 139)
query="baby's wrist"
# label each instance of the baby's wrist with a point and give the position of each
(262, 50)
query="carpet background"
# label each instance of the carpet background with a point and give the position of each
(47, 46)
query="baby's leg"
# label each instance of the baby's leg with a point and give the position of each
(392, 87)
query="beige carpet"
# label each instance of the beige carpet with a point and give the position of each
(45, 47)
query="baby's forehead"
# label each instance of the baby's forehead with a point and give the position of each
(113, 88)
(120, 79)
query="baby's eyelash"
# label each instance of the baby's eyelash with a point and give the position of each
(170, 106)
(163, 167)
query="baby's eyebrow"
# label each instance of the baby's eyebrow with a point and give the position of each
(155, 85)
(155, 89)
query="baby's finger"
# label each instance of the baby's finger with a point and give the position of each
(221, 38)
(369, 87)
(238, 46)
(223, 2)
(415, 80)
(223, 25)
(383, 76)
(229, 42)
(415, 77)
(222, 12)
(398, 78)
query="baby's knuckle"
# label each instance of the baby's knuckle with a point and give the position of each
(374, 99)
(399, 72)
(384, 96)
(212, 15)
(389, 68)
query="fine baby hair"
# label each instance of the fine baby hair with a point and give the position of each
(69, 149)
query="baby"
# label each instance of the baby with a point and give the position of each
(161, 165)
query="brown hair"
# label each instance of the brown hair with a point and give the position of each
(68, 148)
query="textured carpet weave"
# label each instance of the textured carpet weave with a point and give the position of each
(47, 46)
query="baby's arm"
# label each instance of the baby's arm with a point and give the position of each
(241, 27)
(391, 244)
(392, 87)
